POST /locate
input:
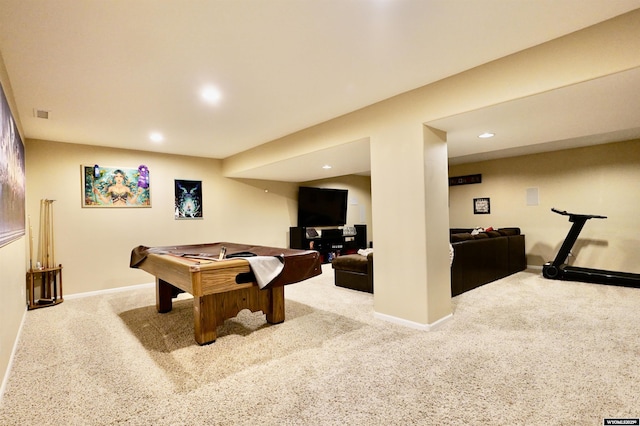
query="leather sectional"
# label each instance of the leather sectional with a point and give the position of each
(485, 257)
(478, 260)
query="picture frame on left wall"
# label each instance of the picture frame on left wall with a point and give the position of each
(115, 187)
(12, 176)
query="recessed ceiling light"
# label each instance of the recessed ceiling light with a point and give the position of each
(156, 136)
(326, 167)
(211, 94)
(486, 135)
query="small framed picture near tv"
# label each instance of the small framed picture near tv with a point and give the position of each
(322, 206)
(481, 206)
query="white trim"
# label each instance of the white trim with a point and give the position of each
(411, 324)
(107, 291)
(7, 372)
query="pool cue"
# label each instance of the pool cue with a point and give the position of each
(48, 229)
(52, 249)
(47, 287)
(53, 254)
(41, 249)
(30, 245)
(40, 236)
(48, 236)
(45, 244)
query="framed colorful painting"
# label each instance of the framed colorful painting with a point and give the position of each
(12, 176)
(115, 187)
(188, 200)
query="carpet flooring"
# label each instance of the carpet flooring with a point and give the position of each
(519, 351)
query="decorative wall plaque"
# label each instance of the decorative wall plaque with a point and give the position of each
(465, 180)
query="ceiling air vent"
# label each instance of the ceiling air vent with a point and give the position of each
(41, 113)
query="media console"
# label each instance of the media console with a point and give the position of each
(330, 242)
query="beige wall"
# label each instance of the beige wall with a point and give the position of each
(94, 244)
(603, 179)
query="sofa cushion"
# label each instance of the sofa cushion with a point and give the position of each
(509, 231)
(352, 262)
(460, 230)
(463, 236)
(354, 271)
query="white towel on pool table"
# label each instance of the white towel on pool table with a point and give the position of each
(266, 268)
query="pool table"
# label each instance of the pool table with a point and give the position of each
(222, 286)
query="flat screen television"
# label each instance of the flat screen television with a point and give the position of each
(322, 206)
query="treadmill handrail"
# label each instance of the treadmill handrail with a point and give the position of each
(578, 221)
(576, 215)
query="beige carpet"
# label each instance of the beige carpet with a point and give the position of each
(520, 351)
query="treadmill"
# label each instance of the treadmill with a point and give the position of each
(559, 270)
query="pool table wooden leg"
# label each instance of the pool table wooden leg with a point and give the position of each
(164, 292)
(275, 313)
(206, 316)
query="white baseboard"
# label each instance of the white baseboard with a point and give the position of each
(411, 324)
(13, 353)
(107, 291)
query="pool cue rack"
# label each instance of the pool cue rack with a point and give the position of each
(49, 280)
(46, 275)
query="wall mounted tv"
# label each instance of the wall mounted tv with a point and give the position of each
(322, 206)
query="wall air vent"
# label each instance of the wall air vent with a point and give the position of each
(41, 113)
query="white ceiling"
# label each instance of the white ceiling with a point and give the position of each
(597, 111)
(111, 72)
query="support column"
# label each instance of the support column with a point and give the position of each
(437, 228)
(409, 186)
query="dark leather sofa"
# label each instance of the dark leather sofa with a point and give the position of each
(478, 260)
(485, 257)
